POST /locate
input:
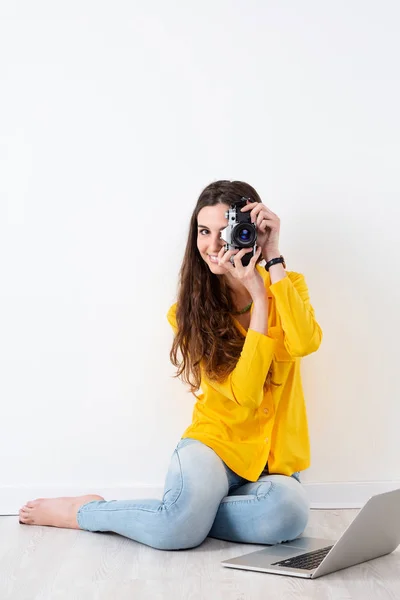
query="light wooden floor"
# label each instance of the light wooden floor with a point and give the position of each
(46, 563)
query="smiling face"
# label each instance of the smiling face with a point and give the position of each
(210, 221)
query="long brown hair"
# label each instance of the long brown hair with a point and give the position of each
(206, 335)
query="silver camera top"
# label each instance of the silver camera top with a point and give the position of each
(240, 231)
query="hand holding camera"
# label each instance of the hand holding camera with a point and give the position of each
(232, 261)
(267, 225)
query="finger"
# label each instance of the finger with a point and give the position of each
(238, 257)
(221, 252)
(264, 223)
(258, 213)
(254, 258)
(225, 259)
(249, 206)
(256, 255)
(261, 216)
(256, 208)
(229, 253)
(237, 253)
(243, 251)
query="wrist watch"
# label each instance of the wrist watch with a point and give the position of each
(275, 261)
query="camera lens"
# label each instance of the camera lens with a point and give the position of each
(244, 235)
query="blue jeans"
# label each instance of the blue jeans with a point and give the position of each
(204, 497)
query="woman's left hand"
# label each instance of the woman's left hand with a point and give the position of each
(267, 226)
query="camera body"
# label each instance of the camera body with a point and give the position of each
(240, 231)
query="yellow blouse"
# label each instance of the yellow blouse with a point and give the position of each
(243, 425)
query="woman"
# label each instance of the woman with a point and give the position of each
(241, 330)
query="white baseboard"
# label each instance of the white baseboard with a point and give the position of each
(322, 495)
(346, 494)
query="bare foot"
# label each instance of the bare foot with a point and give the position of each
(54, 512)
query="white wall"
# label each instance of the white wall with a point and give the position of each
(113, 117)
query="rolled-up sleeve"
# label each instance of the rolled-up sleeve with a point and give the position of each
(245, 383)
(302, 333)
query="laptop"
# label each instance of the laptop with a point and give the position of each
(374, 532)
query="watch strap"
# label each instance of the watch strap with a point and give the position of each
(275, 261)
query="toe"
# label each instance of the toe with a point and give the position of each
(25, 517)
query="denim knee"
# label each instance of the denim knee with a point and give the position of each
(290, 516)
(178, 535)
(191, 497)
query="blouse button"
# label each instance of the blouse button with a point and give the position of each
(266, 411)
(266, 439)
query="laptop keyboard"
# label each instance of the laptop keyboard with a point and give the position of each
(309, 560)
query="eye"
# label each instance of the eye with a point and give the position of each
(201, 231)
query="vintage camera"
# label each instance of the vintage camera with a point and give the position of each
(240, 231)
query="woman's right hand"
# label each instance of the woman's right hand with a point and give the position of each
(249, 277)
